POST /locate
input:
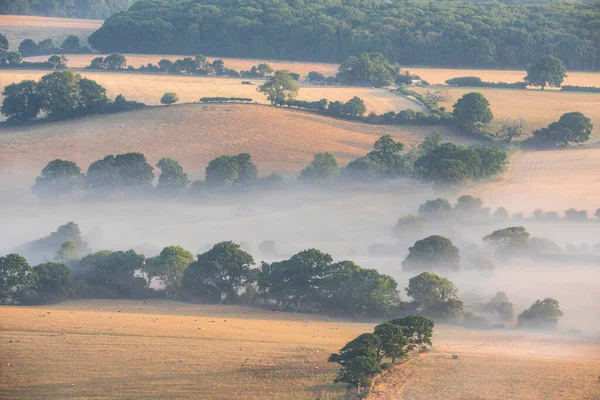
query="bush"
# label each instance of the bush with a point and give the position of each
(225, 100)
(473, 81)
(169, 98)
(570, 88)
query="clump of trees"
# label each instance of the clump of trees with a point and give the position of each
(71, 45)
(543, 314)
(432, 252)
(59, 95)
(361, 358)
(113, 62)
(371, 69)
(65, 9)
(573, 127)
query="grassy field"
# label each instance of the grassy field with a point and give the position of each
(537, 108)
(149, 88)
(17, 28)
(279, 140)
(556, 179)
(129, 349)
(435, 76)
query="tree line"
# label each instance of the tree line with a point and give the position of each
(86, 9)
(444, 34)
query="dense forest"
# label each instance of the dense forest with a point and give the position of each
(413, 32)
(88, 9)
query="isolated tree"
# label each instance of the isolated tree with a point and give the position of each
(3, 43)
(511, 130)
(279, 88)
(58, 178)
(324, 167)
(169, 98)
(169, 266)
(67, 252)
(549, 71)
(171, 176)
(472, 111)
(115, 62)
(468, 204)
(21, 101)
(58, 62)
(433, 252)
(392, 341)
(437, 95)
(29, 48)
(417, 329)
(573, 127)
(314, 76)
(71, 44)
(542, 314)
(509, 239)
(409, 226)
(218, 274)
(53, 284)
(15, 275)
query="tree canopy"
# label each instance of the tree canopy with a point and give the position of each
(279, 88)
(542, 314)
(88, 9)
(433, 252)
(58, 178)
(472, 111)
(573, 127)
(445, 34)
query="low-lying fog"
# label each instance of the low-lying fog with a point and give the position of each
(343, 222)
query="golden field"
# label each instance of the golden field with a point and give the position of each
(537, 108)
(17, 28)
(160, 349)
(149, 88)
(278, 139)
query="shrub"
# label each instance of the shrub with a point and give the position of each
(169, 98)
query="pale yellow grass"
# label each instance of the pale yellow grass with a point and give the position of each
(17, 28)
(278, 139)
(558, 179)
(158, 349)
(537, 108)
(149, 88)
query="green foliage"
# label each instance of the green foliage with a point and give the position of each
(323, 168)
(58, 62)
(438, 208)
(417, 329)
(87, 9)
(434, 296)
(279, 88)
(12, 58)
(573, 127)
(385, 161)
(169, 98)
(111, 274)
(61, 94)
(358, 371)
(314, 76)
(409, 226)
(368, 68)
(472, 111)
(29, 48)
(500, 305)
(169, 266)
(115, 62)
(543, 314)
(549, 71)
(54, 284)
(15, 275)
(21, 101)
(218, 274)
(509, 239)
(130, 170)
(227, 171)
(392, 341)
(447, 34)
(472, 81)
(3, 43)
(44, 249)
(172, 177)
(433, 252)
(91, 95)
(365, 345)
(67, 252)
(71, 44)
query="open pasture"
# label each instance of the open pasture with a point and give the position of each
(279, 140)
(149, 88)
(17, 28)
(122, 348)
(537, 108)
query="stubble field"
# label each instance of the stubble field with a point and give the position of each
(128, 349)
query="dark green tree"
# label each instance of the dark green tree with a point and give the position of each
(542, 314)
(54, 283)
(15, 275)
(111, 274)
(433, 252)
(392, 341)
(21, 101)
(247, 172)
(91, 95)
(417, 329)
(472, 111)
(169, 266)
(165, 65)
(59, 93)
(279, 88)
(370, 68)
(222, 172)
(115, 62)
(324, 167)
(434, 296)
(573, 127)
(172, 177)
(29, 48)
(13, 57)
(71, 44)
(3, 43)
(509, 240)
(549, 71)
(354, 107)
(169, 98)
(58, 178)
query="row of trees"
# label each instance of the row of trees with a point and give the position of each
(71, 45)
(59, 95)
(88, 9)
(445, 34)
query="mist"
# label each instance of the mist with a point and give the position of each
(342, 221)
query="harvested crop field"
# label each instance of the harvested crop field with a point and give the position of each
(278, 139)
(556, 179)
(537, 108)
(17, 28)
(149, 88)
(158, 349)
